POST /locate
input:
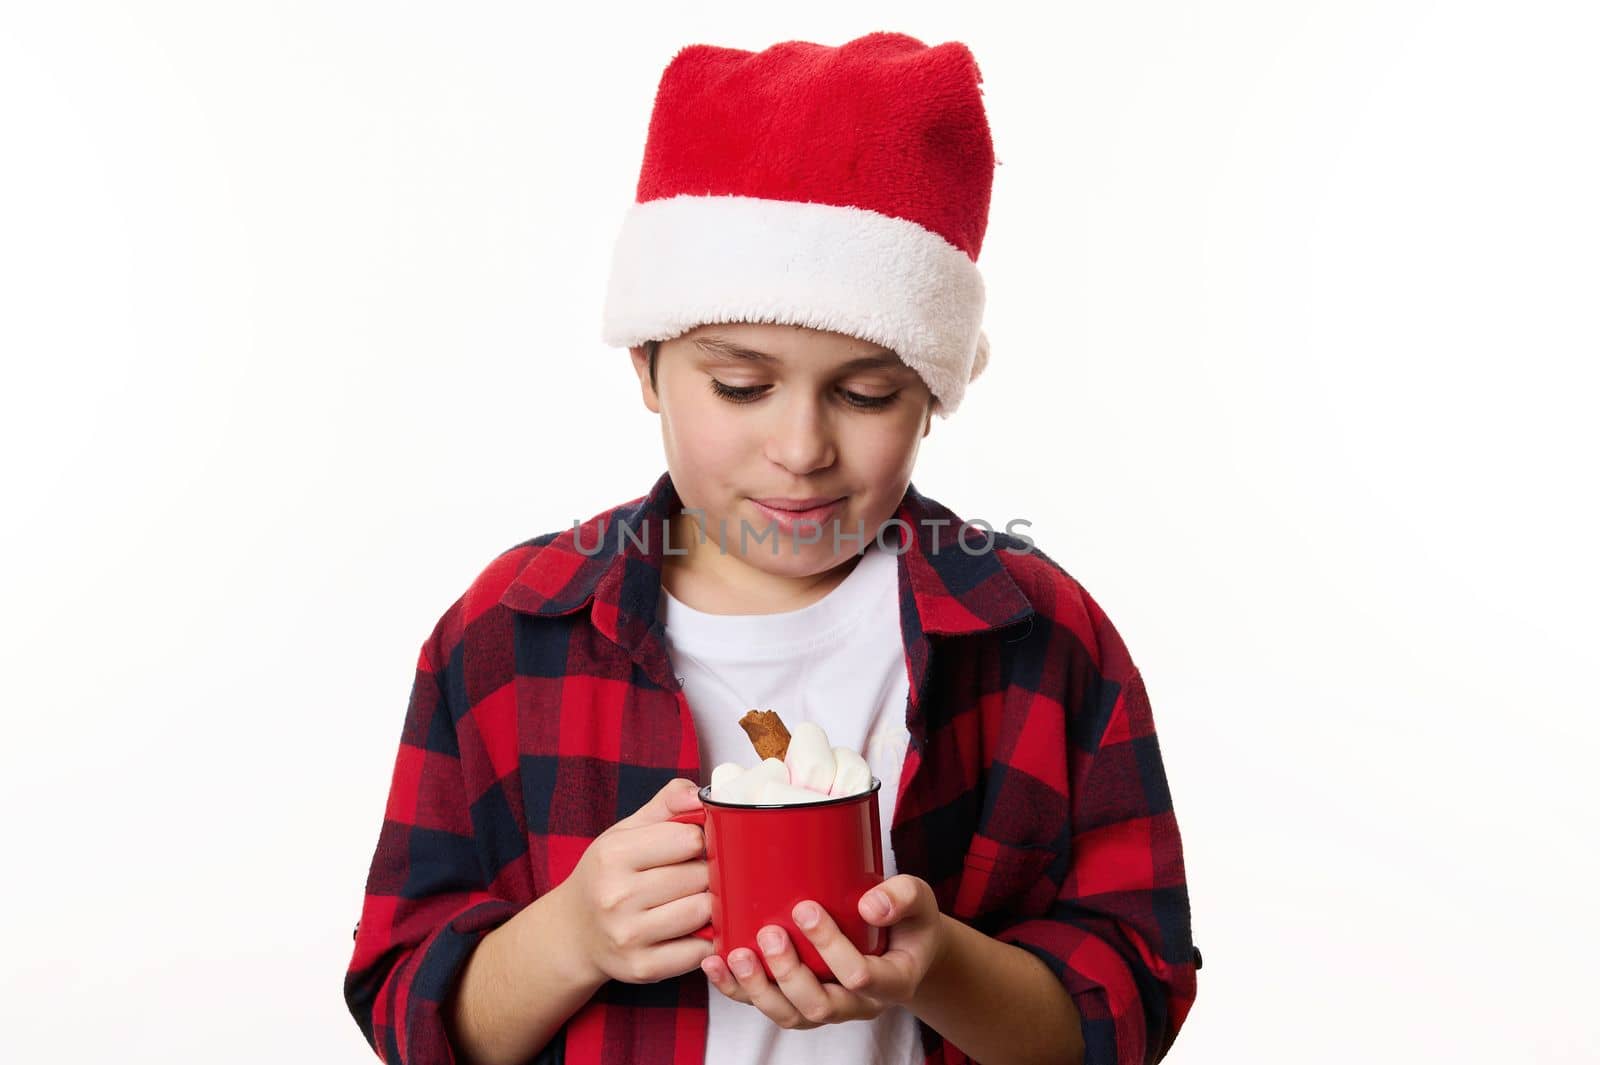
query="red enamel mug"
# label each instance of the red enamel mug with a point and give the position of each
(764, 859)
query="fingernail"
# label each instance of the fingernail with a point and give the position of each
(771, 942)
(877, 905)
(806, 916)
(742, 964)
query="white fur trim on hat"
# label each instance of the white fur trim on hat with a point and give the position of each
(687, 261)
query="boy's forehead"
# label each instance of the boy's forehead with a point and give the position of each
(774, 345)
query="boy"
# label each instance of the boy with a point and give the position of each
(798, 291)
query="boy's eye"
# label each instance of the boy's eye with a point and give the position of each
(750, 393)
(737, 395)
(870, 402)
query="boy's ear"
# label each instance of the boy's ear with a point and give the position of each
(641, 366)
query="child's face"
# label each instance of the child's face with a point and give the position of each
(802, 423)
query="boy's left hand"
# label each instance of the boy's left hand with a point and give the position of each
(867, 985)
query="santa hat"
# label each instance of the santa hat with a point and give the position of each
(840, 188)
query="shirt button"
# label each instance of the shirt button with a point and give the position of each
(1196, 957)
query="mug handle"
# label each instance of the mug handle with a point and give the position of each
(697, 816)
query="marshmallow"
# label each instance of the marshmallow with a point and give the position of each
(810, 759)
(778, 792)
(739, 789)
(810, 771)
(772, 769)
(745, 787)
(852, 777)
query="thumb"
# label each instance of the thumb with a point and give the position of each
(677, 796)
(891, 901)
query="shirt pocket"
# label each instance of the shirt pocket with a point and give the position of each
(1004, 879)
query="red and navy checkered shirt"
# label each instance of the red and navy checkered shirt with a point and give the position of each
(545, 709)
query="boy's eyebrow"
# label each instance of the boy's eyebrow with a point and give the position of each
(722, 347)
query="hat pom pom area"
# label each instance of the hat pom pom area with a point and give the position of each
(942, 406)
(981, 360)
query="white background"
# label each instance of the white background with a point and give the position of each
(1293, 314)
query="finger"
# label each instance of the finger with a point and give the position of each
(666, 843)
(662, 884)
(848, 965)
(721, 978)
(891, 901)
(675, 919)
(818, 1001)
(795, 979)
(760, 991)
(677, 956)
(681, 798)
(677, 796)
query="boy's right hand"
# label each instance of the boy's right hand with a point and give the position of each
(639, 892)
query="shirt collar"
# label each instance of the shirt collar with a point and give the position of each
(613, 560)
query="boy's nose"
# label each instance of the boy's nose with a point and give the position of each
(801, 440)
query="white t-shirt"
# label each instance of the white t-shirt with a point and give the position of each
(839, 662)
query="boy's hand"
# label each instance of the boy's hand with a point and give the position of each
(639, 892)
(867, 985)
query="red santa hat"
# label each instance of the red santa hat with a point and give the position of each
(840, 188)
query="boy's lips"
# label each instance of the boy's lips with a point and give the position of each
(789, 514)
(797, 505)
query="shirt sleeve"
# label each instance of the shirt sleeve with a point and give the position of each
(427, 903)
(1117, 932)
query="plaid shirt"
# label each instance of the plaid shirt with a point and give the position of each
(545, 709)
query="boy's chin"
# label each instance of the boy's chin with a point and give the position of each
(809, 560)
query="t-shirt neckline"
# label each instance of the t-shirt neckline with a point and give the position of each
(767, 635)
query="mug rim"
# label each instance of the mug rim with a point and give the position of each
(827, 800)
